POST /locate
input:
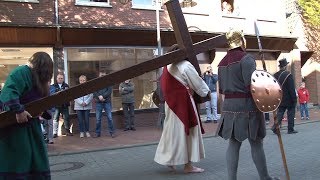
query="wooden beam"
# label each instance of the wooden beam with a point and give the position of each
(181, 32)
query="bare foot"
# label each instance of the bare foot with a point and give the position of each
(193, 169)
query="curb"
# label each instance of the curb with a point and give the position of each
(144, 144)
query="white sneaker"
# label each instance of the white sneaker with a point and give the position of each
(88, 134)
(81, 134)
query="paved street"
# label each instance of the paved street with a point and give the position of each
(302, 151)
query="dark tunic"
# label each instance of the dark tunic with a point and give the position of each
(240, 117)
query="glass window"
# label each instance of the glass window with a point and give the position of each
(89, 61)
(197, 7)
(31, 1)
(11, 58)
(99, 3)
(230, 8)
(144, 4)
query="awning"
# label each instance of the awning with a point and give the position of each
(49, 36)
(305, 55)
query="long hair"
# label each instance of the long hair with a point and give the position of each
(42, 70)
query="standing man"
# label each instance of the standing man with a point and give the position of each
(289, 96)
(63, 109)
(103, 102)
(126, 90)
(240, 117)
(211, 106)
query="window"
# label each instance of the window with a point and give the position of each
(200, 7)
(10, 58)
(29, 1)
(229, 8)
(89, 61)
(99, 3)
(144, 4)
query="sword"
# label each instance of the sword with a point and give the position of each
(283, 155)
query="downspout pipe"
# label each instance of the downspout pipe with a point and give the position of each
(56, 14)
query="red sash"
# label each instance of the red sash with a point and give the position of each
(178, 99)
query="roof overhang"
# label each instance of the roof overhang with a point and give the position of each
(65, 36)
(305, 55)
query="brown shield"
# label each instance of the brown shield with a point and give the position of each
(265, 90)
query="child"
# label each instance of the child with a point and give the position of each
(303, 95)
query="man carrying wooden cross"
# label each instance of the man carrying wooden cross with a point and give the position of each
(181, 141)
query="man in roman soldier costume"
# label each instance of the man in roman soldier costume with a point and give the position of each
(240, 117)
(181, 141)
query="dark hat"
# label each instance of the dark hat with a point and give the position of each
(283, 62)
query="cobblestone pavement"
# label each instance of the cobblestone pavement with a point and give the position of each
(143, 135)
(302, 151)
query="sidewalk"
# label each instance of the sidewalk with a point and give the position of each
(142, 136)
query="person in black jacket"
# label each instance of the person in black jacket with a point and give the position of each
(63, 109)
(289, 96)
(103, 101)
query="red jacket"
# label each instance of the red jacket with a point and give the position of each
(303, 94)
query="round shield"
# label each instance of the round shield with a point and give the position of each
(265, 90)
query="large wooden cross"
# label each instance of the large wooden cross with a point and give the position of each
(187, 50)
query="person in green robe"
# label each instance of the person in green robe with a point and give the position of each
(23, 153)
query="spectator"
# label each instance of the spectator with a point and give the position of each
(83, 105)
(289, 97)
(60, 85)
(49, 122)
(103, 101)
(126, 90)
(303, 95)
(211, 106)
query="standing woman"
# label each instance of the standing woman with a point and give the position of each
(83, 105)
(23, 153)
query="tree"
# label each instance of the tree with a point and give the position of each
(311, 11)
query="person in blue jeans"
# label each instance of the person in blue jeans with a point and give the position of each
(211, 106)
(103, 102)
(83, 105)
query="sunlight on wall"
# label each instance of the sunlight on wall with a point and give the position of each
(146, 101)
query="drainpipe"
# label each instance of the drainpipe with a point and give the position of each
(56, 12)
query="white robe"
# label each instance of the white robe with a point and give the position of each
(175, 146)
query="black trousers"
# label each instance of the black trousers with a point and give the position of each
(291, 110)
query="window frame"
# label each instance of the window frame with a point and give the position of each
(21, 1)
(93, 4)
(146, 7)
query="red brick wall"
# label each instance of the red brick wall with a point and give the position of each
(29, 14)
(296, 71)
(313, 86)
(116, 16)
(71, 15)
